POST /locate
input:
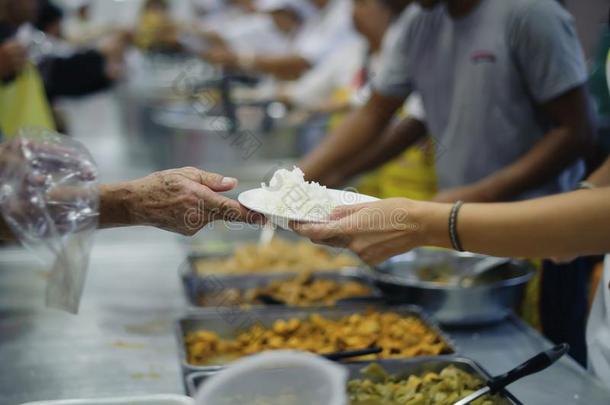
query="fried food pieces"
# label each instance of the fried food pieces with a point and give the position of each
(303, 290)
(278, 256)
(398, 337)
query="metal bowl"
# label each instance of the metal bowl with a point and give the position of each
(490, 299)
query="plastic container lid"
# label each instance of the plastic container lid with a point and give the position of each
(277, 378)
(160, 399)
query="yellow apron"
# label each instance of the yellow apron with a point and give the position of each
(23, 103)
(411, 175)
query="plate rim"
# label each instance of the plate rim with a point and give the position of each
(267, 213)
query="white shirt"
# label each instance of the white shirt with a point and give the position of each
(326, 31)
(598, 329)
(255, 34)
(336, 72)
(598, 326)
(340, 70)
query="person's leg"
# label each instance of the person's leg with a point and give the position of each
(564, 304)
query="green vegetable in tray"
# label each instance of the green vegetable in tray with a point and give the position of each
(444, 388)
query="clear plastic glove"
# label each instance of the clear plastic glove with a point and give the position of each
(49, 198)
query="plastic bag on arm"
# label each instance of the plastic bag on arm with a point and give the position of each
(49, 197)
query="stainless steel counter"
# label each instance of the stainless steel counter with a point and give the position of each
(122, 341)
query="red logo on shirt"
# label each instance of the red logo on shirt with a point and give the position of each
(483, 57)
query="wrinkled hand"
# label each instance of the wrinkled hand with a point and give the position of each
(374, 231)
(13, 57)
(184, 201)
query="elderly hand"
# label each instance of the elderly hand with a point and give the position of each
(179, 200)
(375, 231)
(13, 57)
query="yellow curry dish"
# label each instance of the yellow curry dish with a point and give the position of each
(446, 387)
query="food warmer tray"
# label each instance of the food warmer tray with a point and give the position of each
(228, 322)
(400, 367)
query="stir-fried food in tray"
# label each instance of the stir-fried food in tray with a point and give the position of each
(377, 387)
(302, 290)
(277, 256)
(398, 336)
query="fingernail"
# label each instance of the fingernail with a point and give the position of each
(228, 181)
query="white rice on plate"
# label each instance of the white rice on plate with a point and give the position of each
(288, 194)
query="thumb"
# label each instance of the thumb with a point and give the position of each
(344, 210)
(214, 181)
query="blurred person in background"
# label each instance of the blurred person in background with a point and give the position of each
(324, 33)
(77, 71)
(224, 14)
(156, 29)
(505, 98)
(270, 31)
(325, 94)
(162, 199)
(29, 85)
(79, 28)
(23, 101)
(342, 80)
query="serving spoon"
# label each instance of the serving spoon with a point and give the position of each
(482, 268)
(534, 365)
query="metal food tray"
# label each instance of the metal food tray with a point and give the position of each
(228, 322)
(196, 285)
(489, 301)
(399, 367)
(191, 266)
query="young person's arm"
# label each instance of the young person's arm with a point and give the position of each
(566, 225)
(571, 224)
(357, 132)
(557, 150)
(288, 67)
(391, 144)
(601, 177)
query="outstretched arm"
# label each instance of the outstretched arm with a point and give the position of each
(356, 133)
(571, 224)
(557, 150)
(392, 143)
(179, 200)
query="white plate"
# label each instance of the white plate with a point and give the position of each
(254, 200)
(162, 399)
